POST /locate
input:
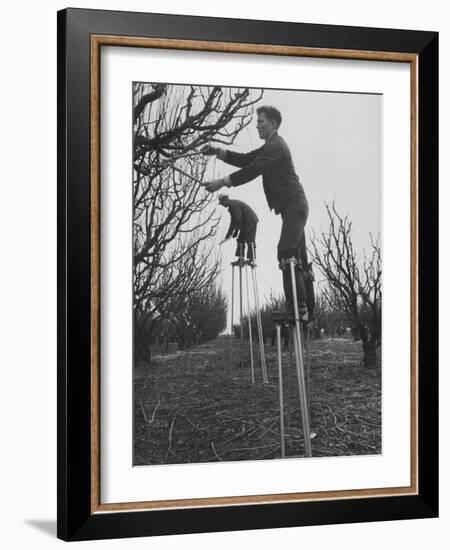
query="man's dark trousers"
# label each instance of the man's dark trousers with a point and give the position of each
(247, 234)
(292, 245)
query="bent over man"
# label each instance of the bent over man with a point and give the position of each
(284, 192)
(242, 225)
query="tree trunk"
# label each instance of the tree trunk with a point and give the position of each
(370, 354)
(139, 344)
(369, 348)
(167, 342)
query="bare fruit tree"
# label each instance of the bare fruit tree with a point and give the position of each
(354, 286)
(173, 216)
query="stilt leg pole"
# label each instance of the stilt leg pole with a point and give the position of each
(240, 302)
(288, 382)
(280, 384)
(250, 328)
(308, 370)
(299, 363)
(258, 317)
(232, 297)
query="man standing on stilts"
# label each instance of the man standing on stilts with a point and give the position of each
(243, 225)
(286, 196)
(284, 192)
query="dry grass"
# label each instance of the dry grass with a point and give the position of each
(200, 405)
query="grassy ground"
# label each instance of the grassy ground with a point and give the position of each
(200, 405)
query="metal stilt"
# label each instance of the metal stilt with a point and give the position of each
(280, 384)
(296, 332)
(308, 370)
(232, 297)
(241, 263)
(288, 381)
(250, 328)
(258, 315)
(298, 346)
(240, 303)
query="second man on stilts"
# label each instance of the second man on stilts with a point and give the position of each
(243, 225)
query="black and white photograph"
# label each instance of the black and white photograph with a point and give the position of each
(257, 273)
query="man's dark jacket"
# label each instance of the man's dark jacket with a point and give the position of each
(274, 162)
(243, 218)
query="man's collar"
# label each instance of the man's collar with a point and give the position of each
(275, 134)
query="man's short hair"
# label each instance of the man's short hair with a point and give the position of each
(223, 198)
(272, 113)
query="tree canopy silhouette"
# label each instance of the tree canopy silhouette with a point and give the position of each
(173, 216)
(354, 286)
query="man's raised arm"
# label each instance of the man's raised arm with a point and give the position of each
(268, 155)
(230, 157)
(237, 159)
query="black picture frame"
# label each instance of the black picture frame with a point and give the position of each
(77, 517)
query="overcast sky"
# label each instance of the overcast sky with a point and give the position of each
(335, 142)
